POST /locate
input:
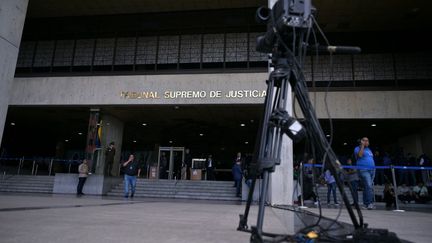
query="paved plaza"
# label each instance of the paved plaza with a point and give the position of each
(65, 218)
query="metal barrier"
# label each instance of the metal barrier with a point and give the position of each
(35, 164)
(391, 167)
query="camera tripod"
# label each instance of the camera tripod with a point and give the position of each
(277, 122)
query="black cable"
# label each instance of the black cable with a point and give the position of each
(331, 122)
(280, 40)
(314, 121)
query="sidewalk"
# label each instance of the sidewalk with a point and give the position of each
(63, 218)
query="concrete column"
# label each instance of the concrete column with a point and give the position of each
(12, 16)
(281, 181)
(112, 131)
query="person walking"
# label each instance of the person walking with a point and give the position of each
(83, 171)
(365, 160)
(131, 169)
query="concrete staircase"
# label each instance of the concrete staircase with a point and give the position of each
(182, 189)
(27, 183)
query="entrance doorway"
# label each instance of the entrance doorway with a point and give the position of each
(170, 161)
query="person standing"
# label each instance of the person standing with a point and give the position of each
(210, 168)
(83, 171)
(237, 175)
(331, 187)
(131, 170)
(188, 163)
(238, 158)
(308, 180)
(109, 158)
(365, 160)
(163, 166)
(389, 196)
(352, 178)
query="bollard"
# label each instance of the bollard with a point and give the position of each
(50, 167)
(395, 189)
(37, 166)
(301, 186)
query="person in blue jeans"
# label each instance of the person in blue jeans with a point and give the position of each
(365, 160)
(331, 187)
(131, 170)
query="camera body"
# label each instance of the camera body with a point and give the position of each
(283, 18)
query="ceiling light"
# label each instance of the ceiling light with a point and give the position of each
(201, 134)
(144, 124)
(108, 123)
(373, 125)
(12, 123)
(246, 142)
(345, 144)
(328, 135)
(252, 121)
(134, 141)
(242, 125)
(176, 107)
(66, 140)
(80, 133)
(170, 141)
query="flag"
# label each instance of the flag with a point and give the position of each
(99, 136)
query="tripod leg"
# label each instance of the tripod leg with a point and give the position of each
(244, 217)
(261, 209)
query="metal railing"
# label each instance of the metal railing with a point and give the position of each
(396, 178)
(31, 166)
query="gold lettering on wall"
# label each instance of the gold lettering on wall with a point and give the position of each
(193, 94)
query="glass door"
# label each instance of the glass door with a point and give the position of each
(170, 161)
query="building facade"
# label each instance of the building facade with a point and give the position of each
(186, 74)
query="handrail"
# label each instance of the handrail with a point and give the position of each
(376, 167)
(391, 167)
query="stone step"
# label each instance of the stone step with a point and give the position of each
(153, 188)
(203, 184)
(180, 196)
(26, 190)
(205, 190)
(27, 183)
(26, 187)
(29, 178)
(227, 194)
(180, 187)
